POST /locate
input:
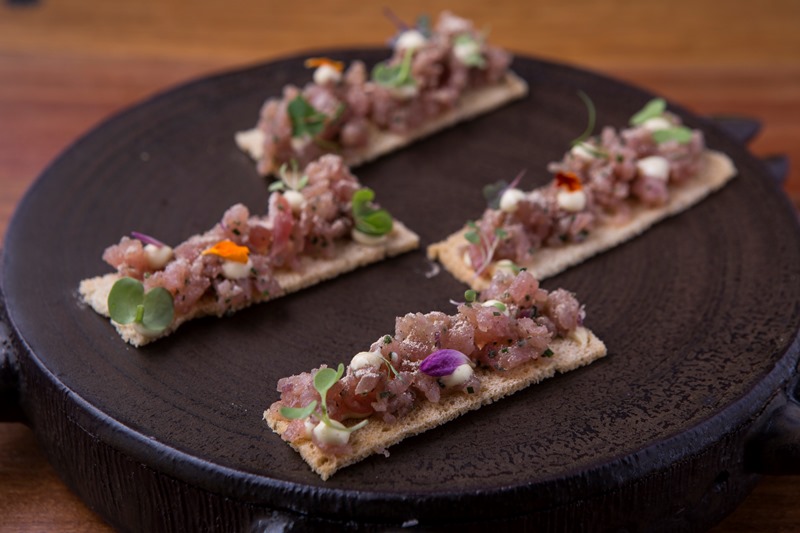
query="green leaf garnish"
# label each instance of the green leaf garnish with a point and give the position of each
(294, 413)
(473, 237)
(367, 219)
(652, 109)
(500, 306)
(124, 300)
(289, 179)
(391, 367)
(470, 295)
(493, 192)
(128, 303)
(591, 118)
(682, 134)
(500, 233)
(473, 58)
(158, 309)
(306, 120)
(395, 75)
(548, 352)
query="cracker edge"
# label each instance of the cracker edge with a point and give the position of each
(718, 169)
(569, 354)
(472, 104)
(348, 256)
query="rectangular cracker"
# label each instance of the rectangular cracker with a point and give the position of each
(579, 349)
(472, 104)
(717, 169)
(348, 255)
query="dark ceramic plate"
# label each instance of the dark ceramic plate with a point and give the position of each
(699, 315)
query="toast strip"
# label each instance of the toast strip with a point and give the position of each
(472, 104)
(348, 256)
(569, 353)
(717, 169)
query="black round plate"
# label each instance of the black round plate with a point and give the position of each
(699, 313)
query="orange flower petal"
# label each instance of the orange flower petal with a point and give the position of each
(568, 181)
(229, 250)
(314, 62)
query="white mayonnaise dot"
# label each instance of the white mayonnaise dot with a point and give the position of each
(309, 427)
(236, 270)
(157, 256)
(506, 265)
(365, 359)
(299, 143)
(368, 240)
(510, 200)
(459, 376)
(410, 40)
(497, 304)
(404, 92)
(464, 50)
(657, 123)
(583, 151)
(326, 74)
(572, 201)
(467, 260)
(252, 142)
(296, 200)
(580, 335)
(335, 434)
(655, 166)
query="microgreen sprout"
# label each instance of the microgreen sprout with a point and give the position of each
(395, 76)
(305, 119)
(681, 134)
(486, 245)
(128, 303)
(590, 121)
(652, 109)
(368, 219)
(467, 49)
(493, 192)
(324, 379)
(290, 179)
(391, 367)
(470, 295)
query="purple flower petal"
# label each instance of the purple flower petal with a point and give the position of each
(147, 239)
(443, 363)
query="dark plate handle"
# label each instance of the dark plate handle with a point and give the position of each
(10, 410)
(744, 130)
(775, 449)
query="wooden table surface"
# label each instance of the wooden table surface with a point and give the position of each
(66, 65)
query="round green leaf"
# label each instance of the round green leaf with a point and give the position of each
(158, 309)
(123, 299)
(295, 413)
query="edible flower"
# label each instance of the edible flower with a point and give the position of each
(316, 62)
(443, 362)
(147, 239)
(128, 303)
(230, 251)
(569, 181)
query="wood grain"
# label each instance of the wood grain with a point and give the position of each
(67, 65)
